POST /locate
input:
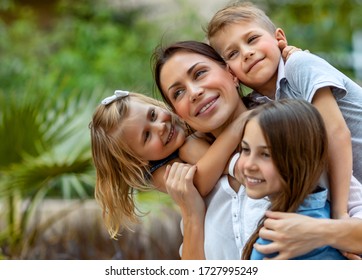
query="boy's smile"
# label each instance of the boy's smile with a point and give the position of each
(252, 54)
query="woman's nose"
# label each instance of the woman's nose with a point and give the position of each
(195, 93)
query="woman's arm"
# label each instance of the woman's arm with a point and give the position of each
(294, 234)
(339, 151)
(215, 159)
(179, 182)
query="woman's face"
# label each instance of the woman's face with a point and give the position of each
(202, 92)
(149, 131)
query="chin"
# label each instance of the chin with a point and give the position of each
(254, 195)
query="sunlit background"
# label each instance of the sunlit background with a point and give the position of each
(58, 59)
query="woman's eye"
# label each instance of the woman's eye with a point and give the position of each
(199, 73)
(177, 93)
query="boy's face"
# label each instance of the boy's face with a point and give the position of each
(150, 132)
(251, 52)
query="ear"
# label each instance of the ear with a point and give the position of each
(235, 79)
(281, 38)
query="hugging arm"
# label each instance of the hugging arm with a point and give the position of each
(293, 235)
(213, 163)
(179, 182)
(339, 150)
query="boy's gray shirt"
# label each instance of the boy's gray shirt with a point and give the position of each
(304, 73)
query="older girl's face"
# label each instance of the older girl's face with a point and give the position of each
(150, 132)
(255, 165)
(202, 92)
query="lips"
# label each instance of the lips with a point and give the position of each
(170, 135)
(202, 108)
(253, 181)
(253, 64)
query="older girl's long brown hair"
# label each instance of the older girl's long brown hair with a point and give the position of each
(295, 131)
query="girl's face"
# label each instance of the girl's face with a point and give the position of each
(255, 165)
(202, 92)
(149, 131)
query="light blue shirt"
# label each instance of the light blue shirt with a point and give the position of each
(316, 206)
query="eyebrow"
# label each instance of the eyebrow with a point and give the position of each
(262, 147)
(188, 72)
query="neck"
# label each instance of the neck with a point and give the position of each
(237, 112)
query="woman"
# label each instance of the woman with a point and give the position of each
(205, 95)
(194, 80)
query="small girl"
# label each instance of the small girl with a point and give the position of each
(133, 137)
(283, 155)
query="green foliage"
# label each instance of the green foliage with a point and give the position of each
(52, 76)
(319, 26)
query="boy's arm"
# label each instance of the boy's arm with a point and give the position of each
(339, 150)
(213, 163)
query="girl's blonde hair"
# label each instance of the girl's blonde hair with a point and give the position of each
(119, 171)
(238, 12)
(295, 132)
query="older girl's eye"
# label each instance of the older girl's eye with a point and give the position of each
(265, 154)
(245, 150)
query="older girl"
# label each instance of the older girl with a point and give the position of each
(283, 155)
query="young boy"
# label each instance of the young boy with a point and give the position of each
(248, 41)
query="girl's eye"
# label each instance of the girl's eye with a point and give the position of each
(265, 154)
(245, 150)
(153, 115)
(147, 136)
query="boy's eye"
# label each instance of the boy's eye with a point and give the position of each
(252, 38)
(231, 55)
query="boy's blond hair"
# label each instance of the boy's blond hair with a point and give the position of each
(238, 12)
(119, 171)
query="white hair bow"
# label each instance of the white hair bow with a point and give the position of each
(117, 94)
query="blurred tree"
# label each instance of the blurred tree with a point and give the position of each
(323, 27)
